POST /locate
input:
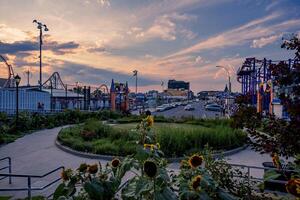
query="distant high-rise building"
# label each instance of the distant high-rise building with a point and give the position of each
(179, 85)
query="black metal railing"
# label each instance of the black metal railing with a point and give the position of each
(29, 178)
(6, 167)
(249, 168)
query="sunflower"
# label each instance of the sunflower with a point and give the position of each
(115, 162)
(150, 121)
(158, 145)
(276, 160)
(183, 164)
(83, 167)
(103, 176)
(150, 146)
(93, 169)
(150, 168)
(146, 146)
(196, 182)
(293, 187)
(66, 174)
(195, 160)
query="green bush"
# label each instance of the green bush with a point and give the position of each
(35, 121)
(3, 118)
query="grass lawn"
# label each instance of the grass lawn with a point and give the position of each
(176, 139)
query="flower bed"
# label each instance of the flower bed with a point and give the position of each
(176, 139)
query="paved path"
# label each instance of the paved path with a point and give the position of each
(37, 154)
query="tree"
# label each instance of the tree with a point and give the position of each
(278, 135)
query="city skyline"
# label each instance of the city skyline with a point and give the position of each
(93, 41)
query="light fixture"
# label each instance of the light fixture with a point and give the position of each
(17, 79)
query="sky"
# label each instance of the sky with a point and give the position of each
(93, 41)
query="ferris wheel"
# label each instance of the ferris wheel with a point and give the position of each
(10, 82)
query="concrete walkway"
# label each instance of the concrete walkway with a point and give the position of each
(37, 154)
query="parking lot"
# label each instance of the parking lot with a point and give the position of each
(198, 112)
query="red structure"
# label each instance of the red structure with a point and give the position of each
(119, 99)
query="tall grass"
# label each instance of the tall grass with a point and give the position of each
(178, 141)
(174, 139)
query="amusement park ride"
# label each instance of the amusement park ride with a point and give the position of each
(116, 98)
(10, 81)
(256, 81)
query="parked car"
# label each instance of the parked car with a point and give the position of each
(189, 107)
(167, 106)
(184, 103)
(178, 103)
(173, 105)
(160, 108)
(213, 107)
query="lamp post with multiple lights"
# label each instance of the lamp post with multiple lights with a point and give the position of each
(17, 80)
(41, 27)
(228, 74)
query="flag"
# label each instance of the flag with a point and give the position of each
(135, 73)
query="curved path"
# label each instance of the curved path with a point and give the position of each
(37, 154)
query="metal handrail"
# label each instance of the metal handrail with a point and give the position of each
(249, 177)
(6, 167)
(29, 188)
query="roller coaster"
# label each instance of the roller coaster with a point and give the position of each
(255, 72)
(10, 81)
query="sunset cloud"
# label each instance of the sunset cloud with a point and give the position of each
(92, 41)
(261, 42)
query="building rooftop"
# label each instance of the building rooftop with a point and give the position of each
(62, 93)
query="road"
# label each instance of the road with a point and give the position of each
(199, 112)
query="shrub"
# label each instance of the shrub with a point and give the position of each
(87, 135)
(3, 118)
(175, 139)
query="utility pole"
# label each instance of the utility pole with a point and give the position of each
(28, 75)
(41, 26)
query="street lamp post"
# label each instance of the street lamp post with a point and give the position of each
(228, 74)
(18, 80)
(135, 73)
(77, 88)
(41, 26)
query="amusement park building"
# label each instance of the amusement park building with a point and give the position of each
(30, 99)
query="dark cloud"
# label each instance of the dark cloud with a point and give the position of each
(23, 46)
(95, 76)
(97, 50)
(13, 48)
(61, 48)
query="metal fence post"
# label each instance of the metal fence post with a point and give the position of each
(249, 191)
(9, 169)
(29, 187)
